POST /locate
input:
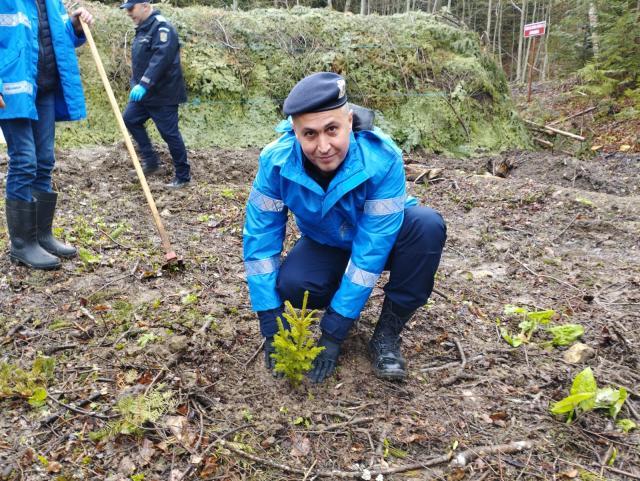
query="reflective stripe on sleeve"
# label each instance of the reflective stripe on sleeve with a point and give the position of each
(360, 276)
(14, 19)
(14, 88)
(262, 266)
(264, 202)
(384, 206)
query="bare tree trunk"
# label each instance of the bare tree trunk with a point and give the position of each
(347, 6)
(545, 59)
(408, 6)
(435, 6)
(527, 53)
(449, 6)
(593, 26)
(363, 7)
(488, 30)
(235, 5)
(329, 5)
(522, 10)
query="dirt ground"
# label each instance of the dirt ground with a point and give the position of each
(556, 233)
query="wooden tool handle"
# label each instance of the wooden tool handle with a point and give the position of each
(127, 139)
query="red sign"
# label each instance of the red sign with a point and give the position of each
(535, 29)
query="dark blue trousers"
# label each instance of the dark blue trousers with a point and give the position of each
(412, 265)
(166, 119)
(30, 147)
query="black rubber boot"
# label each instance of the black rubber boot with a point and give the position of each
(45, 210)
(384, 346)
(21, 222)
(324, 365)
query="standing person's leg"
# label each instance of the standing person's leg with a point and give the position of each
(19, 205)
(166, 119)
(135, 115)
(413, 263)
(44, 130)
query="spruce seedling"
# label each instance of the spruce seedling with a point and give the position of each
(295, 347)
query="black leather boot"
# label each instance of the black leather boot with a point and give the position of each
(21, 222)
(45, 209)
(384, 346)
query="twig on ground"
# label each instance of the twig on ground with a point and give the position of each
(361, 420)
(463, 363)
(62, 347)
(463, 458)
(624, 473)
(567, 227)
(255, 354)
(84, 402)
(83, 412)
(441, 294)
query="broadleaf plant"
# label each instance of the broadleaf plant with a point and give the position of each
(585, 396)
(295, 347)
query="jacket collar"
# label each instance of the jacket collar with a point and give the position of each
(147, 23)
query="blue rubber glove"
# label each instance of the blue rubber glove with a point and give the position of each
(137, 93)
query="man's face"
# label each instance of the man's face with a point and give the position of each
(324, 137)
(139, 12)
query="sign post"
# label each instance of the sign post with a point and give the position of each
(534, 30)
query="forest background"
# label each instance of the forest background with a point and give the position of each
(436, 72)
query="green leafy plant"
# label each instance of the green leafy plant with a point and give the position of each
(626, 425)
(565, 334)
(88, 259)
(295, 347)
(585, 395)
(529, 324)
(31, 385)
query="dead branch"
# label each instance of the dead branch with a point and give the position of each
(553, 130)
(333, 426)
(578, 114)
(463, 458)
(83, 412)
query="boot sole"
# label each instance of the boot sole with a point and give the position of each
(17, 260)
(386, 375)
(390, 376)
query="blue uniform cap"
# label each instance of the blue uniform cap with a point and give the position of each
(131, 3)
(316, 93)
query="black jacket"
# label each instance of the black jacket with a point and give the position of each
(47, 69)
(155, 60)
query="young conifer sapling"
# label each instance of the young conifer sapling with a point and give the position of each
(295, 347)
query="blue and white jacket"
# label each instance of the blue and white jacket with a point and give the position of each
(361, 211)
(19, 60)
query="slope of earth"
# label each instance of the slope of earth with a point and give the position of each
(158, 374)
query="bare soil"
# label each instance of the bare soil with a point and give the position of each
(556, 233)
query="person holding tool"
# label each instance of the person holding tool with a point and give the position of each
(157, 88)
(39, 85)
(344, 182)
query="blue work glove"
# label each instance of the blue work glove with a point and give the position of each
(137, 93)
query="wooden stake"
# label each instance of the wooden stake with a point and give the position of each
(531, 62)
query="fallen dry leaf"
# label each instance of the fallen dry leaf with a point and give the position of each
(300, 446)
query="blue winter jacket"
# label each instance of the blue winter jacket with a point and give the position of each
(19, 60)
(361, 211)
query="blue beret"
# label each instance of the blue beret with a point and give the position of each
(316, 93)
(131, 3)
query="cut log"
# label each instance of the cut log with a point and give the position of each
(553, 130)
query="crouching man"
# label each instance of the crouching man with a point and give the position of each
(346, 189)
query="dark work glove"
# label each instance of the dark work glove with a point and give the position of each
(324, 365)
(268, 323)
